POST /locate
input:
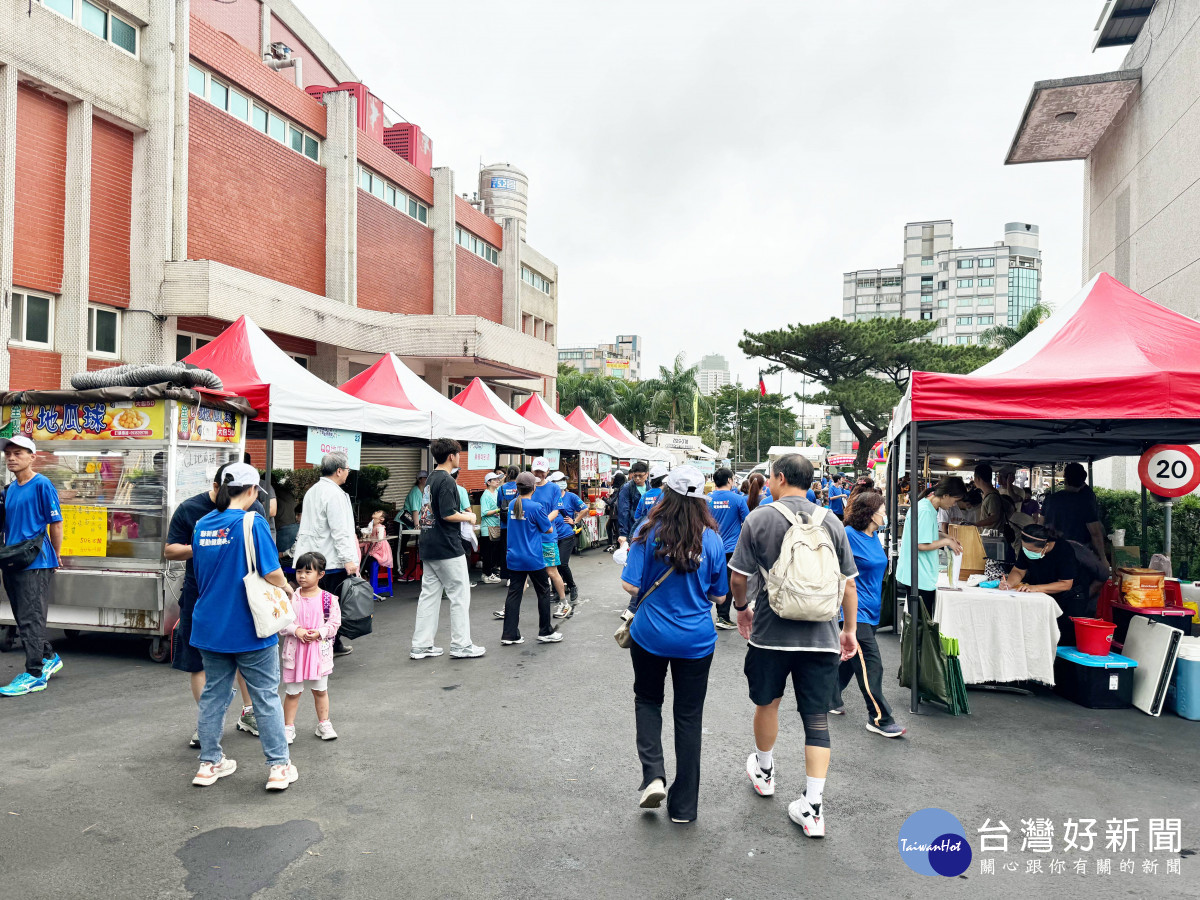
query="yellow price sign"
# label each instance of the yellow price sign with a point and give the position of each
(85, 531)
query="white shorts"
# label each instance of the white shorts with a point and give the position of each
(313, 684)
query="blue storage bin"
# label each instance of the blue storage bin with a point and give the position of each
(1097, 682)
(1187, 682)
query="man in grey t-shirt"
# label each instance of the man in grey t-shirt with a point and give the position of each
(808, 651)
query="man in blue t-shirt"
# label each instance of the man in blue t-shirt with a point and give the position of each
(31, 511)
(730, 509)
(548, 495)
(657, 473)
(837, 496)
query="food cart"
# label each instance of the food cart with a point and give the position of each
(121, 459)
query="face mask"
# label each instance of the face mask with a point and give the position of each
(1034, 554)
(885, 522)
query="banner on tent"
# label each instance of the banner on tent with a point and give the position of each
(587, 465)
(604, 463)
(481, 456)
(552, 458)
(334, 440)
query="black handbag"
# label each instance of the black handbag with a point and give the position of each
(357, 601)
(21, 556)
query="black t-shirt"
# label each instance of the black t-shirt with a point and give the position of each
(440, 539)
(1069, 512)
(183, 523)
(1057, 565)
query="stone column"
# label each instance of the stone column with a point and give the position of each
(444, 303)
(340, 152)
(8, 180)
(510, 262)
(71, 308)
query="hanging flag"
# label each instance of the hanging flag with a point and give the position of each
(696, 413)
(762, 385)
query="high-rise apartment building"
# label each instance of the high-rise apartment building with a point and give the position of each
(713, 374)
(965, 290)
(621, 359)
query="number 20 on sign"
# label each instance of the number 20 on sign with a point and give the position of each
(1170, 470)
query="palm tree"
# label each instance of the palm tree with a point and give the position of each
(1005, 336)
(676, 390)
(635, 405)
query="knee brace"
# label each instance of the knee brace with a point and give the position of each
(816, 729)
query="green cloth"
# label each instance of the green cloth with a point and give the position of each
(489, 510)
(412, 503)
(464, 499)
(927, 560)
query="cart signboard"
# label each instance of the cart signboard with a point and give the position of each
(1170, 470)
(126, 420)
(214, 426)
(85, 531)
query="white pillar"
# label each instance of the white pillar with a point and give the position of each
(71, 308)
(444, 303)
(340, 153)
(8, 181)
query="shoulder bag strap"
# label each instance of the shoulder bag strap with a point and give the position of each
(247, 526)
(661, 578)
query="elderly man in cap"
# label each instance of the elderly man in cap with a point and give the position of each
(31, 514)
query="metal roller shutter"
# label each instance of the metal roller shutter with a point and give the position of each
(402, 462)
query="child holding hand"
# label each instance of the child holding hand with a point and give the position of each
(308, 646)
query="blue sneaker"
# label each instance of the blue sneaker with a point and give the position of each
(23, 684)
(51, 666)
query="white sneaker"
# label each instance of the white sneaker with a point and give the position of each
(552, 638)
(654, 794)
(509, 643)
(281, 777)
(563, 611)
(763, 782)
(417, 653)
(289, 732)
(808, 817)
(498, 614)
(325, 731)
(492, 579)
(210, 772)
(468, 652)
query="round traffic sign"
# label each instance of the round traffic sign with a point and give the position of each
(1170, 470)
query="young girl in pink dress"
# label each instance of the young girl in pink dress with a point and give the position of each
(381, 550)
(308, 646)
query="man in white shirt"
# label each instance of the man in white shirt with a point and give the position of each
(327, 527)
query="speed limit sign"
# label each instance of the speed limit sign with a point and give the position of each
(1170, 470)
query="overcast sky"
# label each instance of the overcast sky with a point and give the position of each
(698, 168)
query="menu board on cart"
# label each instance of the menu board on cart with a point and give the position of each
(195, 469)
(204, 423)
(587, 465)
(126, 420)
(85, 531)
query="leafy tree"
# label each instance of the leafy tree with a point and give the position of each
(863, 366)
(1007, 336)
(824, 438)
(675, 390)
(738, 418)
(635, 405)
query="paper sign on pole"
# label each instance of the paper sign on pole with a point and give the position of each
(481, 456)
(706, 466)
(85, 531)
(334, 440)
(552, 458)
(587, 465)
(605, 463)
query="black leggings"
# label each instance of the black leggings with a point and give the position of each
(566, 546)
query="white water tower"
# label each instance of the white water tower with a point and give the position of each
(504, 190)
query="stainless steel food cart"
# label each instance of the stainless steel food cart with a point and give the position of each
(122, 459)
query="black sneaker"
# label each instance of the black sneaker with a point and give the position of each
(574, 589)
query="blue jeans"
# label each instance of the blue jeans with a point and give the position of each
(260, 668)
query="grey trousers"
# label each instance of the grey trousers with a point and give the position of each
(454, 577)
(29, 596)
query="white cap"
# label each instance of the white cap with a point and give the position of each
(241, 475)
(557, 476)
(492, 476)
(541, 464)
(686, 480)
(18, 440)
(658, 470)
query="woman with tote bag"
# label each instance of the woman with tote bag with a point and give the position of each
(223, 627)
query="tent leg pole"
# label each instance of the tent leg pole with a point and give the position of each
(1167, 532)
(893, 501)
(270, 452)
(914, 597)
(1144, 540)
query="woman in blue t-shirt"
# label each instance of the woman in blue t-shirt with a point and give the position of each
(528, 526)
(864, 518)
(676, 566)
(223, 629)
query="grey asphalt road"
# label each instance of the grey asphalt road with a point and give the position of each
(515, 776)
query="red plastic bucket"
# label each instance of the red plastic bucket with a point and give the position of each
(1093, 636)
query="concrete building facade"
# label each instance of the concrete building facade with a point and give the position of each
(713, 374)
(169, 165)
(620, 359)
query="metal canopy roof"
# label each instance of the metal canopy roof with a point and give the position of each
(1066, 117)
(1121, 22)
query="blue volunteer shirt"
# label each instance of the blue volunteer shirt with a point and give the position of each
(648, 500)
(676, 620)
(28, 509)
(730, 509)
(525, 537)
(222, 622)
(548, 496)
(837, 499)
(569, 504)
(811, 496)
(764, 496)
(505, 495)
(871, 560)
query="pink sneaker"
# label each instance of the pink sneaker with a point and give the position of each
(210, 772)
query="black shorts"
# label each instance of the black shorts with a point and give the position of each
(814, 677)
(184, 656)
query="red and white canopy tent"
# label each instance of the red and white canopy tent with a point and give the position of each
(392, 384)
(1110, 373)
(284, 392)
(587, 425)
(482, 400)
(538, 411)
(613, 427)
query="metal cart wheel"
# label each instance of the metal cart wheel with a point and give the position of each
(160, 650)
(8, 636)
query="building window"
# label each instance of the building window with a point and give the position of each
(103, 331)
(943, 304)
(301, 361)
(966, 282)
(927, 260)
(890, 281)
(966, 263)
(927, 314)
(987, 262)
(102, 22)
(966, 301)
(224, 96)
(943, 285)
(478, 246)
(985, 320)
(531, 277)
(377, 186)
(31, 318)
(965, 320)
(549, 333)
(987, 282)
(963, 339)
(186, 344)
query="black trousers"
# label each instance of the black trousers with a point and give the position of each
(867, 667)
(490, 550)
(29, 596)
(512, 603)
(610, 530)
(725, 610)
(566, 546)
(332, 581)
(503, 560)
(689, 682)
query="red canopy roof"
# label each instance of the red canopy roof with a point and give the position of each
(538, 411)
(611, 425)
(482, 401)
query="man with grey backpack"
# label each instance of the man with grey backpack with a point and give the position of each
(797, 557)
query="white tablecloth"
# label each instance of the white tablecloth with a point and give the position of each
(1002, 635)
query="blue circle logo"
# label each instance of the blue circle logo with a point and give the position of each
(933, 842)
